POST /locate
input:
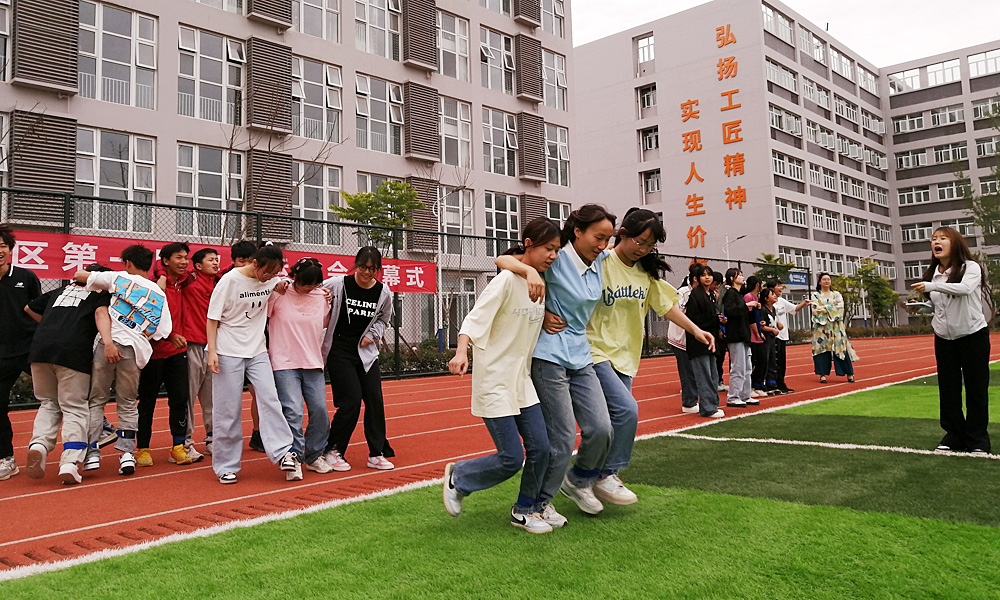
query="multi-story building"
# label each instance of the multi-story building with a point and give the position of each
(277, 106)
(752, 130)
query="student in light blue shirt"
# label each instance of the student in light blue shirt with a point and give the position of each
(562, 369)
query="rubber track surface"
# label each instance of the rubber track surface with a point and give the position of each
(429, 424)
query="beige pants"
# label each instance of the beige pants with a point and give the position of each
(125, 375)
(64, 394)
(200, 386)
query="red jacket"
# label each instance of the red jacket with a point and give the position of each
(196, 291)
(164, 348)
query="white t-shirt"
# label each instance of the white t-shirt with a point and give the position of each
(782, 308)
(138, 311)
(503, 326)
(239, 304)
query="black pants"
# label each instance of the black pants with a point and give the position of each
(782, 364)
(10, 369)
(173, 373)
(758, 358)
(770, 362)
(720, 355)
(964, 358)
(351, 385)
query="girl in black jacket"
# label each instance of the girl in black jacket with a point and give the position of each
(701, 310)
(737, 314)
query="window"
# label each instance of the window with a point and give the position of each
(499, 142)
(815, 92)
(989, 186)
(881, 233)
(777, 23)
(376, 27)
(916, 232)
(911, 122)
(785, 121)
(786, 166)
(117, 55)
(951, 152)
(796, 256)
(876, 159)
(780, 75)
(947, 115)
(911, 159)
(987, 146)
(826, 220)
(650, 138)
(318, 18)
(790, 212)
(984, 63)
(820, 135)
(316, 99)
(557, 154)
(815, 174)
(233, 6)
(554, 75)
(852, 187)
(209, 178)
(812, 45)
(914, 269)
(651, 181)
(867, 80)
(966, 226)
(952, 190)
(850, 148)
(943, 72)
(497, 66)
(559, 212)
(841, 64)
(886, 269)
(878, 195)
(316, 188)
(647, 96)
(369, 182)
(118, 166)
(210, 82)
(456, 220)
(846, 109)
(453, 46)
(5, 37)
(904, 81)
(985, 108)
(644, 47)
(498, 6)
(379, 115)
(456, 133)
(855, 227)
(914, 195)
(872, 123)
(554, 17)
(502, 219)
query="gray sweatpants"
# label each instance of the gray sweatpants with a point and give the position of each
(64, 394)
(200, 387)
(125, 375)
(227, 412)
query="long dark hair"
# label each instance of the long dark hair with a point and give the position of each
(695, 273)
(582, 218)
(731, 274)
(540, 231)
(819, 277)
(307, 271)
(960, 254)
(636, 222)
(750, 284)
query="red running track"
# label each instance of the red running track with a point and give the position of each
(429, 424)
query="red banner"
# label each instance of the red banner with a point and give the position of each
(58, 256)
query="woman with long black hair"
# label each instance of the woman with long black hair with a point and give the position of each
(737, 313)
(953, 283)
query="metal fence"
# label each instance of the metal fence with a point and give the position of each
(425, 325)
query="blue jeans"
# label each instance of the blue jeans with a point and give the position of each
(624, 413)
(705, 378)
(570, 397)
(294, 385)
(507, 433)
(689, 393)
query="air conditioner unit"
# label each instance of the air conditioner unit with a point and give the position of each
(854, 152)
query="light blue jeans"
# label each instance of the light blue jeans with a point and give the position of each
(570, 397)
(294, 385)
(624, 413)
(739, 371)
(689, 393)
(507, 433)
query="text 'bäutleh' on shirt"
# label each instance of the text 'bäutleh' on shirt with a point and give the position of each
(628, 291)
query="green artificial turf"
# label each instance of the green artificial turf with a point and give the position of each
(674, 544)
(838, 429)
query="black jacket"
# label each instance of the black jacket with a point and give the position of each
(738, 317)
(701, 310)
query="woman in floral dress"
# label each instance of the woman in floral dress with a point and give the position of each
(829, 339)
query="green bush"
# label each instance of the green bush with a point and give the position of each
(424, 358)
(21, 394)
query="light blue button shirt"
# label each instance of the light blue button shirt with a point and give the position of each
(572, 289)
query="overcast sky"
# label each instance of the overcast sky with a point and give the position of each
(885, 32)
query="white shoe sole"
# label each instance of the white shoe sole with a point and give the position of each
(36, 462)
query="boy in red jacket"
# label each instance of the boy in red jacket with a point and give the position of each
(196, 290)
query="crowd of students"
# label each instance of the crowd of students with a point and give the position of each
(200, 334)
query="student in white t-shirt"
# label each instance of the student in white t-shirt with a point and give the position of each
(237, 314)
(503, 328)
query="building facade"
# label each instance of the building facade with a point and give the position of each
(278, 106)
(751, 130)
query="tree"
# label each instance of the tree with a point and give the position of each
(390, 206)
(866, 291)
(772, 267)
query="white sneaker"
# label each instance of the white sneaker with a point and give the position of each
(93, 461)
(8, 468)
(227, 478)
(757, 394)
(735, 402)
(717, 414)
(532, 523)
(452, 499)
(380, 463)
(126, 464)
(194, 455)
(335, 460)
(295, 474)
(319, 466)
(69, 474)
(613, 491)
(722, 387)
(550, 516)
(689, 409)
(36, 461)
(583, 497)
(208, 446)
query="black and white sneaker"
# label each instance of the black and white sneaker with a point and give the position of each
(942, 448)
(289, 462)
(532, 523)
(227, 478)
(452, 499)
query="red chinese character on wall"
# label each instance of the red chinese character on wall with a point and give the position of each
(692, 141)
(688, 110)
(695, 206)
(696, 237)
(723, 36)
(727, 67)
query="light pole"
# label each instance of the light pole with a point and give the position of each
(725, 247)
